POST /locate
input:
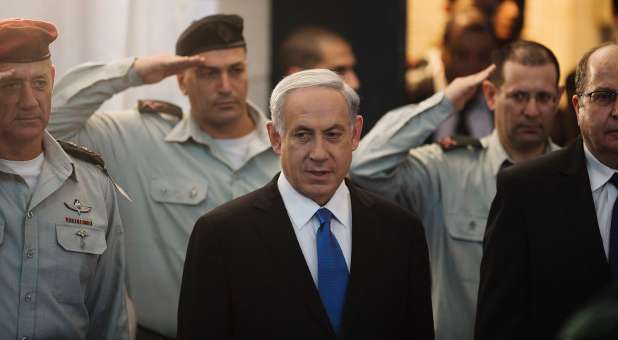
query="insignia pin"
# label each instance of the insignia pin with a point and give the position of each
(78, 207)
(82, 233)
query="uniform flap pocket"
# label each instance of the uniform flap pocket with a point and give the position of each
(178, 190)
(1, 232)
(466, 227)
(81, 239)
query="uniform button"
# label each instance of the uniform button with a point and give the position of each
(193, 192)
(472, 225)
(29, 253)
(28, 297)
(24, 338)
(29, 214)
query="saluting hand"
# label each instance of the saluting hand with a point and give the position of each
(461, 89)
(153, 69)
(6, 74)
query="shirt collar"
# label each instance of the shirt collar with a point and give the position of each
(188, 129)
(301, 209)
(598, 172)
(496, 153)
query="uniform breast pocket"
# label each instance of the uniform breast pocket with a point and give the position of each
(78, 251)
(464, 244)
(178, 191)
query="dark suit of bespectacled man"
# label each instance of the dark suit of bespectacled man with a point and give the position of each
(551, 241)
(310, 255)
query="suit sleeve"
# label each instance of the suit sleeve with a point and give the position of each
(204, 310)
(503, 290)
(419, 307)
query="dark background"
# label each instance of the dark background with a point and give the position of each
(377, 33)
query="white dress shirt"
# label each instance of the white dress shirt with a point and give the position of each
(603, 193)
(301, 211)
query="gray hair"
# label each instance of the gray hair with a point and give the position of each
(310, 78)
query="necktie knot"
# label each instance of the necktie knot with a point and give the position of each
(614, 179)
(505, 164)
(324, 216)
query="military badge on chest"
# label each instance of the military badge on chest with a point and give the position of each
(79, 209)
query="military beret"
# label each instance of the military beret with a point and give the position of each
(214, 32)
(25, 41)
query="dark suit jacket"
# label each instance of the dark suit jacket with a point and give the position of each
(245, 275)
(543, 254)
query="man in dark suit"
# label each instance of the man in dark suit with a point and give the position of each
(551, 241)
(308, 256)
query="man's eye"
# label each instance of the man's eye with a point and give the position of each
(521, 96)
(603, 97)
(40, 84)
(10, 86)
(544, 97)
(333, 135)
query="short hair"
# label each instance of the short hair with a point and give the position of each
(523, 52)
(467, 19)
(310, 78)
(302, 47)
(581, 71)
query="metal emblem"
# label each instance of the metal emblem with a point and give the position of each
(78, 207)
(82, 233)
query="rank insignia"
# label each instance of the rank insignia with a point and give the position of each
(78, 207)
(82, 233)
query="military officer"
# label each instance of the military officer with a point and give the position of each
(61, 237)
(452, 186)
(175, 167)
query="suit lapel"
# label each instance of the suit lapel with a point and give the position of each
(367, 252)
(582, 211)
(277, 233)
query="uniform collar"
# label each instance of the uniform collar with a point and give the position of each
(55, 157)
(187, 128)
(301, 209)
(496, 153)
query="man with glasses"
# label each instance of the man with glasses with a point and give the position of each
(552, 234)
(451, 186)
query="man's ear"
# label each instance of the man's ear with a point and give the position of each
(489, 91)
(575, 102)
(357, 128)
(53, 73)
(275, 137)
(181, 78)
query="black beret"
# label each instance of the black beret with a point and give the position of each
(214, 32)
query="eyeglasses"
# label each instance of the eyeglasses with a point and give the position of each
(542, 98)
(601, 98)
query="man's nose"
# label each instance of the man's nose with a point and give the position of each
(26, 97)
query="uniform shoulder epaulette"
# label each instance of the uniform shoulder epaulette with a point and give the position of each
(82, 153)
(459, 142)
(159, 106)
(89, 156)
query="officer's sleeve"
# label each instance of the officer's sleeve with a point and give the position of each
(383, 162)
(80, 93)
(503, 288)
(106, 299)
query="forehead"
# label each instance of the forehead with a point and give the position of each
(224, 58)
(315, 106)
(336, 52)
(603, 67)
(22, 70)
(529, 77)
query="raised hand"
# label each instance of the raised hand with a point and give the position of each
(461, 89)
(153, 69)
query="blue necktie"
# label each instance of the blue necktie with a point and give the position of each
(332, 271)
(613, 234)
